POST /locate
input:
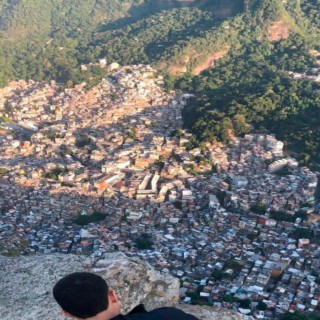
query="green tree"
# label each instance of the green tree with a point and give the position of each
(259, 208)
(244, 303)
(83, 220)
(261, 305)
(144, 242)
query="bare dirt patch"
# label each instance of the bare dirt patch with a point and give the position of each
(185, 59)
(177, 70)
(278, 30)
(209, 62)
(314, 52)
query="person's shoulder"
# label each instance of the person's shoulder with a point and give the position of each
(166, 313)
(170, 312)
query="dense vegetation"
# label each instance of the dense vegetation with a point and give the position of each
(40, 39)
(144, 242)
(83, 220)
(146, 40)
(253, 91)
(59, 36)
(311, 10)
(300, 316)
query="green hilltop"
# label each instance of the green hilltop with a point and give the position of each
(46, 40)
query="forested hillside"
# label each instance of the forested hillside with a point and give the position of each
(253, 92)
(254, 89)
(37, 18)
(239, 60)
(39, 38)
(46, 40)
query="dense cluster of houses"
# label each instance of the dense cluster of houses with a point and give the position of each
(312, 74)
(118, 149)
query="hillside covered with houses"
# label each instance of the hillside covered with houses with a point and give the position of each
(92, 171)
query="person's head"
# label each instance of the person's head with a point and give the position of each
(86, 295)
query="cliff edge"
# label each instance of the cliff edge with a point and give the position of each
(26, 285)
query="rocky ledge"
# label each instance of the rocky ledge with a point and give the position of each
(26, 285)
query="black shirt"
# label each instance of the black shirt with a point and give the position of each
(140, 313)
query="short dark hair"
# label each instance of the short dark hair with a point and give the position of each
(82, 294)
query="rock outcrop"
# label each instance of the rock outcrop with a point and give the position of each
(26, 285)
(208, 313)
